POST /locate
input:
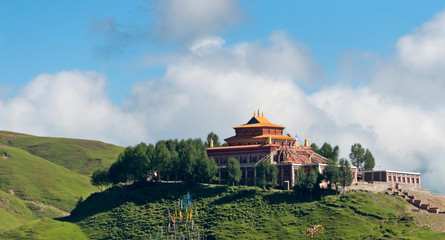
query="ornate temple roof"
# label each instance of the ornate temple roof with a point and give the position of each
(258, 121)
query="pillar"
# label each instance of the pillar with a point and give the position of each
(254, 176)
(245, 176)
(292, 176)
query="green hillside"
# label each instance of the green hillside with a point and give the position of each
(81, 156)
(47, 229)
(33, 178)
(15, 212)
(140, 212)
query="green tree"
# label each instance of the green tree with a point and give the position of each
(331, 174)
(268, 173)
(161, 163)
(357, 155)
(307, 182)
(327, 151)
(345, 173)
(369, 161)
(132, 165)
(100, 179)
(213, 136)
(234, 171)
(205, 169)
(361, 157)
(315, 148)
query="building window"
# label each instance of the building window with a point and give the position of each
(412, 180)
(407, 179)
(398, 179)
(417, 180)
(403, 179)
(389, 178)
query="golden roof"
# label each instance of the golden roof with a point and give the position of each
(258, 121)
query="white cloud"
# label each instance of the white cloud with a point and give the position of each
(176, 19)
(69, 104)
(415, 74)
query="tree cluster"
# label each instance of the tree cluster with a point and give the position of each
(327, 151)
(184, 160)
(361, 158)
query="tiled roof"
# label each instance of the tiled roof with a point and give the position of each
(257, 121)
(274, 137)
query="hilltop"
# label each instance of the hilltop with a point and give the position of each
(140, 212)
(80, 156)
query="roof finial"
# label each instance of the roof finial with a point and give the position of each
(262, 114)
(254, 113)
(258, 112)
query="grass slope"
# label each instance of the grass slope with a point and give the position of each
(15, 212)
(46, 229)
(139, 212)
(81, 156)
(33, 178)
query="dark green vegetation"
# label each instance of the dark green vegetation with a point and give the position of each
(359, 157)
(81, 156)
(169, 160)
(233, 171)
(224, 212)
(32, 187)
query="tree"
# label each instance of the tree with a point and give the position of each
(213, 136)
(131, 165)
(161, 163)
(327, 151)
(307, 182)
(234, 171)
(357, 155)
(100, 179)
(345, 173)
(361, 158)
(205, 169)
(331, 174)
(369, 160)
(268, 173)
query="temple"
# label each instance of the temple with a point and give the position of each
(259, 140)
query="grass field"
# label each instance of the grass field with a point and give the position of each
(32, 178)
(47, 229)
(139, 212)
(81, 156)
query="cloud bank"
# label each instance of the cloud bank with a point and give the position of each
(395, 110)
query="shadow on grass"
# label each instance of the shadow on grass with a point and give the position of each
(139, 194)
(294, 197)
(239, 195)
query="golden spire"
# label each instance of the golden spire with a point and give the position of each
(262, 114)
(258, 112)
(254, 113)
(211, 142)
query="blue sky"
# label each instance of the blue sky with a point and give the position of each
(131, 71)
(52, 36)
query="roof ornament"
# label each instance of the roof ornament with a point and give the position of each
(254, 112)
(258, 112)
(262, 114)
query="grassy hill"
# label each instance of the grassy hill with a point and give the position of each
(81, 156)
(46, 229)
(32, 178)
(140, 212)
